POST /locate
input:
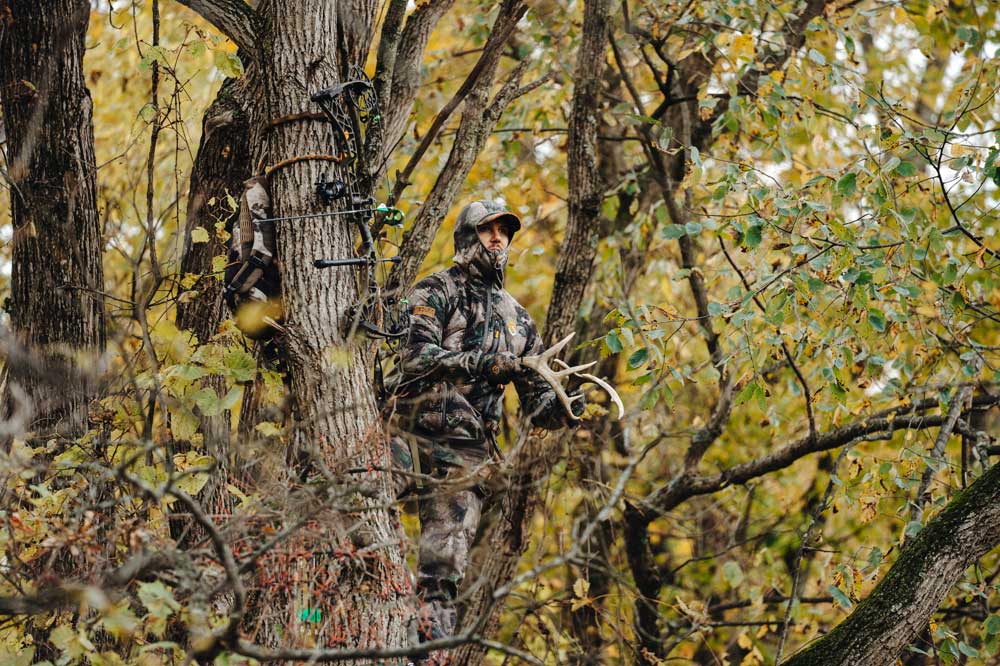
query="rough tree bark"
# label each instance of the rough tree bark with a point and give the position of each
(220, 167)
(56, 306)
(929, 566)
(308, 45)
(297, 48)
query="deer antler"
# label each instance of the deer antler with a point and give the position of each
(612, 393)
(540, 364)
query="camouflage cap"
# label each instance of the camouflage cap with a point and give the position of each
(477, 213)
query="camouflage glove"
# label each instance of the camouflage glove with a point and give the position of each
(501, 367)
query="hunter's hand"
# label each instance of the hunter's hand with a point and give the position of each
(501, 367)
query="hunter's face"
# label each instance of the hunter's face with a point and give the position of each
(493, 235)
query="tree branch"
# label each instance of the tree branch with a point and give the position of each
(233, 18)
(955, 408)
(478, 120)
(683, 487)
(400, 56)
(902, 603)
(506, 22)
(586, 189)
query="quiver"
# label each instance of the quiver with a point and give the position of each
(253, 284)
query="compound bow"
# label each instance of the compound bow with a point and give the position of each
(352, 109)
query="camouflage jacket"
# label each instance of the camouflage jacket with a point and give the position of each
(457, 317)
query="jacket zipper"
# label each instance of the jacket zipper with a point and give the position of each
(488, 321)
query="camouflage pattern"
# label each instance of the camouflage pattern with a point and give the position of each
(251, 277)
(448, 523)
(444, 407)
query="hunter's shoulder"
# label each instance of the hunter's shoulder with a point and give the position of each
(441, 288)
(440, 281)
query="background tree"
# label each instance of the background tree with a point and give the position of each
(55, 305)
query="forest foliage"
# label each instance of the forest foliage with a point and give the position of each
(838, 209)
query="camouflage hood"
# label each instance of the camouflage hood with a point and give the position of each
(470, 253)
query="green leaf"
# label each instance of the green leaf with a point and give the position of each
(229, 64)
(638, 358)
(841, 598)
(160, 602)
(913, 528)
(183, 423)
(197, 48)
(752, 237)
(147, 113)
(968, 35)
(967, 649)
(613, 342)
(817, 57)
(992, 624)
(891, 163)
(231, 398)
(692, 227)
(906, 169)
(241, 364)
(666, 136)
(848, 184)
(208, 401)
(876, 320)
(733, 574)
(673, 231)
(745, 394)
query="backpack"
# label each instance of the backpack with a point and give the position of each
(252, 281)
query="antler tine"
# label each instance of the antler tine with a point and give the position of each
(612, 393)
(540, 364)
(557, 347)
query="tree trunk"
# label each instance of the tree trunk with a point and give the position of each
(56, 305)
(335, 424)
(220, 167)
(901, 605)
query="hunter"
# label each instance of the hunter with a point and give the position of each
(466, 341)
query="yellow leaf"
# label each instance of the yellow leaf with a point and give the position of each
(869, 507)
(979, 257)
(744, 641)
(199, 235)
(581, 587)
(742, 48)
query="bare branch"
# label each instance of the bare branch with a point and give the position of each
(233, 18)
(684, 487)
(506, 22)
(400, 56)
(478, 121)
(955, 407)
